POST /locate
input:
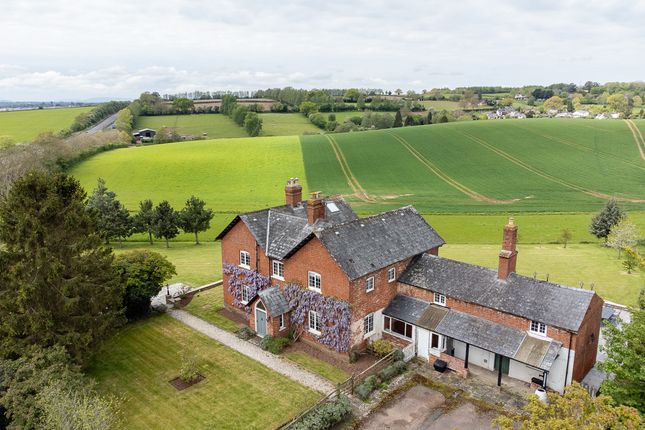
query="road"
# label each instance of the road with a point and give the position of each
(106, 124)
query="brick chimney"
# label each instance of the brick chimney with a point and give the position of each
(508, 254)
(293, 192)
(315, 208)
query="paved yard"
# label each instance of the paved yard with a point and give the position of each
(422, 408)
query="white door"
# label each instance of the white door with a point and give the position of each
(423, 337)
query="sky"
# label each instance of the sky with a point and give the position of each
(83, 49)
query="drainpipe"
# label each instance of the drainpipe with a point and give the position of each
(566, 374)
(466, 361)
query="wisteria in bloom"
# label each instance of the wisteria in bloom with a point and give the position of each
(335, 316)
(238, 279)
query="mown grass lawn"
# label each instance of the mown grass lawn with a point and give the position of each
(238, 393)
(586, 263)
(317, 366)
(206, 305)
(24, 126)
(215, 125)
(286, 124)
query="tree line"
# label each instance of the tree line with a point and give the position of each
(242, 115)
(162, 221)
(63, 293)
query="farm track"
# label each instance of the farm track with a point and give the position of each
(638, 137)
(445, 177)
(353, 183)
(583, 148)
(545, 175)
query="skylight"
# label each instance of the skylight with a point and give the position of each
(332, 207)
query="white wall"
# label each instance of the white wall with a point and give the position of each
(357, 329)
(523, 372)
(423, 342)
(555, 380)
(476, 356)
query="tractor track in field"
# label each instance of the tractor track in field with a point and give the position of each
(545, 175)
(638, 137)
(583, 148)
(445, 177)
(353, 183)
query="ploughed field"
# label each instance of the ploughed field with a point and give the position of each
(24, 126)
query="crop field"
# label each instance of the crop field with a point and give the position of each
(24, 126)
(214, 125)
(237, 392)
(286, 124)
(482, 166)
(231, 175)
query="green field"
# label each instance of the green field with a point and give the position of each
(214, 125)
(342, 116)
(286, 124)
(441, 104)
(24, 126)
(483, 166)
(238, 393)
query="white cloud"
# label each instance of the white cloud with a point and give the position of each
(62, 49)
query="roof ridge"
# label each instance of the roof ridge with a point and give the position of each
(371, 217)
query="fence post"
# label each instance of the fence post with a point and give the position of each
(351, 391)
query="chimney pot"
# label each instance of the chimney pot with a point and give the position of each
(293, 192)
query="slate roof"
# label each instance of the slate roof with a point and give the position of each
(369, 244)
(281, 229)
(274, 300)
(542, 301)
(491, 336)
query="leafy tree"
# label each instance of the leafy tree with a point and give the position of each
(398, 91)
(576, 409)
(229, 103)
(638, 101)
(318, 120)
(143, 274)
(331, 117)
(570, 107)
(554, 102)
(625, 347)
(252, 124)
(622, 235)
(398, 120)
(124, 120)
(239, 114)
(183, 105)
(57, 283)
(307, 108)
(352, 94)
(606, 219)
(113, 220)
(633, 259)
(409, 121)
(507, 101)
(617, 102)
(429, 117)
(565, 236)
(165, 222)
(360, 102)
(194, 217)
(144, 219)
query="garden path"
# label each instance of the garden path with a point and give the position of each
(254, 352)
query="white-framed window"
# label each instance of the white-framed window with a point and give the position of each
(245, 294)
(314, 281)
(282, 326)
(370, 284)
(368, 324)
(398, 327)
(538, 328)
(391, 274)
(440, 299)
(245, 259)
(278, 269)
(314, 322)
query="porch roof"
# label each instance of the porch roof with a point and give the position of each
(273, 299)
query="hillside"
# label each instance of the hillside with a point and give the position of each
(23, 126)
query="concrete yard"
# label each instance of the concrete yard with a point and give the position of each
(422, 408)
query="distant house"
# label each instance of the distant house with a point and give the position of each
(520, 97)
(144, 135)
(614, 115)
(345, 281)
(516, 115)
(564, 115)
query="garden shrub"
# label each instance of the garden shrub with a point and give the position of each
(274, 345)
(325, 416)
(392, 370)
(189, 370)
(382, 347)
(398, 355)
(245, 333)
(364, 390)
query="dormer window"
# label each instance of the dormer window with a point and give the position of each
(538, 328)
(245, 259)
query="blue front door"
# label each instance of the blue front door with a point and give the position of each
(260, 322)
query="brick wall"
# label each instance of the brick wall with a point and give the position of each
(586, 343)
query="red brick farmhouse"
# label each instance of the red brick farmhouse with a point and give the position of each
(343, 281)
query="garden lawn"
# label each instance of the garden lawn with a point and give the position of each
(213, 124)
(24, 126)
(230, 175)
(319, 367)
(286, 124)
(206, 305)
(238, 393)
(586, 263)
